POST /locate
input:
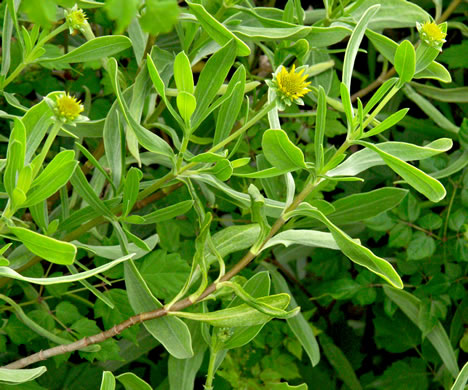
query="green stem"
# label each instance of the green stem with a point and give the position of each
(265, 110)
(381, 105)
(39, 160)
(211, 364)
(183, 148)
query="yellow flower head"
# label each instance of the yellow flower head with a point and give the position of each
(432, 34)
(68, 108)
(76, 18)
(290, 86)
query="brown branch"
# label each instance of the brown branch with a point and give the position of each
(180, 305)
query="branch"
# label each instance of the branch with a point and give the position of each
(178, 306)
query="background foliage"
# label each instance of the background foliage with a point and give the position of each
(122, 190)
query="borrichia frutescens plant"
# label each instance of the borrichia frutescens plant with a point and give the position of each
(202, 165)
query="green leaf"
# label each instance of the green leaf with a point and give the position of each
(171, 332)
(56, 174)
(132, 382)
(320, 128)
(435, 71)
(392, 14)
(131, 188)
(366, 158)
(50, 249)
(431, 111)
(405, 61)
(216, 30)
(452, 95)
(108, 381)
(10, 273)
(15, 155)
(358, 207)
(242, 315)
(12, 376)
(160, 16)
(410, 305)
(186, 104)
(81, 185)
(183, 73)
(146, 138)
(309, 238)
(392, 120)
(352, 249)
(164, 273)
(421, 246)
(211, 79)
(340, 363)
(42, 13)
(298, 324)
(169, 212)
(416, 178)
(122, 11)
(229, 110)
(406, 376)
(280, 151)
(462, 379)
(257, 286)
(355, 42)
(182, 372)
(93, 50)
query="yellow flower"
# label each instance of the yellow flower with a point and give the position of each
(432, 34)
(68, 108)
(76, 18)
(290, 86)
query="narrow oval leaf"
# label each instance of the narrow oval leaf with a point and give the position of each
(216, 30)
(93, 50)
(352, 248)
(50, 249)
(354, 43)
(405, 61)
(212, 78)
(280, 151)
(56, 174)
(132, 186)
(366, 158)
(242, 315)
(392, 120)
(108, 381)
(10, 273)
(132, 382)
(416, 178)
(310, 238)
(186, 104)
(183, 73)
(13, 377)
(298, 324)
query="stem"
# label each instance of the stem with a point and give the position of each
(381, 105)
(38, 161)
(211, 364)
(183, 148)
(265, 110)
